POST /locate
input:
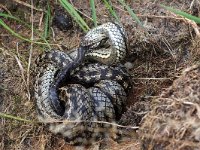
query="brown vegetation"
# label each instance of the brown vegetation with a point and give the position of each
(159, 53)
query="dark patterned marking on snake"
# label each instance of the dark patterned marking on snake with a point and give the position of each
(72, 96)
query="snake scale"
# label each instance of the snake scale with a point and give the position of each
(76, 92)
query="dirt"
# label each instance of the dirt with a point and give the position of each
(158, 52)
(174, 119)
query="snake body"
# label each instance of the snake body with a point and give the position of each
(72, 97)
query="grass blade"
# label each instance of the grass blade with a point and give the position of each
(14, 118)
(133, 15)
(18, 35)
(111, 10)
(13, 32)
(71, 10)
(24, 23)
(94, 16)
(47, 21)
(183, 14)
(12, 17)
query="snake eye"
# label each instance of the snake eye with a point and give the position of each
(100, 44)
(104, 42)
(94, 38)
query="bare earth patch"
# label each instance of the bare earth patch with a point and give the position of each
(173, 122)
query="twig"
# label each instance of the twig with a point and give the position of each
(30, 53)
(192, 3)
(80, 121)
(21, 68)
(152, 78)
(81, 12)
(53, 34)
(40, 22)
(27, 5)
(194, 26)
(6, 9)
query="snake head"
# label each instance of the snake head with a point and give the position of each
(106, 43)
(94, 39)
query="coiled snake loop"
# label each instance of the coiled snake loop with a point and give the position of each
(72, 96)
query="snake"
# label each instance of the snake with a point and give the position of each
(81, 93)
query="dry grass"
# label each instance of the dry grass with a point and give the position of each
(173, 122)
(158, 54)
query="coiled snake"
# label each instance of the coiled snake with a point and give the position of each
(72, 96)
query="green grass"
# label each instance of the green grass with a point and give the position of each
(133, 15)
(94, 16)
(14, 18)
(47, 21)
(72, 11)
(7, 116)
(5, 26)
(183, 14)
(111, 10)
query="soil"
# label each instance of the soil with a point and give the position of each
(158, 53)
(174, 117)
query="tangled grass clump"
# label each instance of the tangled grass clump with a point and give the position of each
(174, 119)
